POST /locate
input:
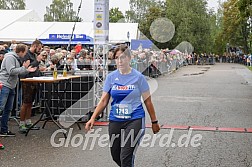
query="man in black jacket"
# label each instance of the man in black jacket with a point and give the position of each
(29, 90)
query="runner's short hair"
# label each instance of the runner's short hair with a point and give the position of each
(124, 49)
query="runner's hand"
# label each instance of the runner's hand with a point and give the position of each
(89, 124)
(155, 128)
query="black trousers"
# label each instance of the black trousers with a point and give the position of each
(124, 140)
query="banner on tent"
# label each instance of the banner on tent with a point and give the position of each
(67, 36)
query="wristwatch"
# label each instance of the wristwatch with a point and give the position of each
(154, 122)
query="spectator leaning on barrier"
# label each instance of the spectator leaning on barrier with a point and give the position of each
(52, 52)
(47, 49)
(81, 62)
(250, 58)
(29, 90)
(69, 61)
(126, 86)
(44, 64)
(55, 61)
(73, 53)
(11, 68)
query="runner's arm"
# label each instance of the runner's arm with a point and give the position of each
(101, 105)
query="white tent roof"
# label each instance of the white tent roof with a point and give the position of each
(24, 31)
(28, 31)
(67, 28)
(118, 32)
(10, 16)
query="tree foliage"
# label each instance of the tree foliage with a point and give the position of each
(153, 13)
(235, 25)
(245, 8)
(138, 10)
(61, 11)
(192, 21)
(219, 42)
(12, 4)
(206, 30)
(115, 15)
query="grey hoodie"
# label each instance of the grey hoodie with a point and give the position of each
(10, 69)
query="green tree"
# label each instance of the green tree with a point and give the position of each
(138, 10)
(192, 21)
(235, 27)
(219, 41)
(61, 11)
(115, 15)
(12, 4)
(153, 13)
(245, 8)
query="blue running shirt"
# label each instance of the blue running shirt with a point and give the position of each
(126, 91)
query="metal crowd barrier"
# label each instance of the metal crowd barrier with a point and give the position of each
(163, 67)
(173, 65)
(77, 96)
(153, 69)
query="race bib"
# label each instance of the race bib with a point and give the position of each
(122, 111)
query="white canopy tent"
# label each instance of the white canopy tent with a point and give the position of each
(118, 32)
(29, 31)
(24, 31)
(9, 17)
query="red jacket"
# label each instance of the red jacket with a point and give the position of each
(78, 49)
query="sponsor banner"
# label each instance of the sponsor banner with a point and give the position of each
(66, 36)
(101, 21)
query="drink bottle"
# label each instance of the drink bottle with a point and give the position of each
(55, 72)
(64, 71)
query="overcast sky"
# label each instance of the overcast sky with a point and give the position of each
(86, 12)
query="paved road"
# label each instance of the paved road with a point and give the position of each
(219, 97)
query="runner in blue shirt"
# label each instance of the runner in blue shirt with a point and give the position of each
(126, 86)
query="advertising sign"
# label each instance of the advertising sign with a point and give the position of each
(101, 21)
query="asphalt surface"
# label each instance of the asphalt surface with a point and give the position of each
(219, 97)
